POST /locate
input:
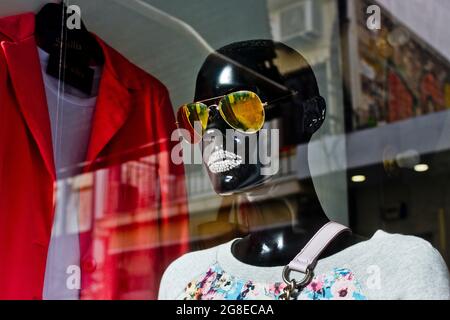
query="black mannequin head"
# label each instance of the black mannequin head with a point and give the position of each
(276, 73)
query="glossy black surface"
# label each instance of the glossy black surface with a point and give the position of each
(52, 35)
(257, 66)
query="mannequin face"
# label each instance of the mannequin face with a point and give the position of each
(232, 160)
(235, 161)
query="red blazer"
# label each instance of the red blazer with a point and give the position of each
(133, 120)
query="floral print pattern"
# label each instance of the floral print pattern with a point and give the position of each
(337, 285)
(216, 284)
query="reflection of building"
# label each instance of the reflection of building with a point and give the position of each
(122, 223)
(400, 119)
(310, 26)
(396, 98)
(399, 87)
(401, 76)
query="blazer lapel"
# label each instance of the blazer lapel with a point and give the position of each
(111, 110)
(25, 71)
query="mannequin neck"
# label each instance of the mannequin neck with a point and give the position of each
(279, 227)
(300, 213)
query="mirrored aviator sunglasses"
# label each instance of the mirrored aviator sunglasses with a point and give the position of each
(242, 110)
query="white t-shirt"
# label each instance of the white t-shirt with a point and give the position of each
(71, 113)
(387, 266)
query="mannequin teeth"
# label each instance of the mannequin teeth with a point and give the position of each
(222, 161)
(223, 166)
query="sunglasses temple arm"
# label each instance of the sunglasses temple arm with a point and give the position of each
(266, 104)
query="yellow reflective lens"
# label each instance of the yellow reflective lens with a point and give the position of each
(193, 117)
(197, 115)
(243, 111)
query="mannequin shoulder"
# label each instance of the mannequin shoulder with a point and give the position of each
(400, 241)
(193, 259)
(184, 269)
(395, 245)
(413, 264)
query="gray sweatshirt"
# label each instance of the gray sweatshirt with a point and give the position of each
(387, 266)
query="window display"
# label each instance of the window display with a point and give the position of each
(224, 150)
(249, 267)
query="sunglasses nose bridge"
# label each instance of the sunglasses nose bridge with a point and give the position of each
(213, 112)
(215, 120)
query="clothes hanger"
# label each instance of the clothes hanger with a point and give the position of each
(51, 27)
(72, 51)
